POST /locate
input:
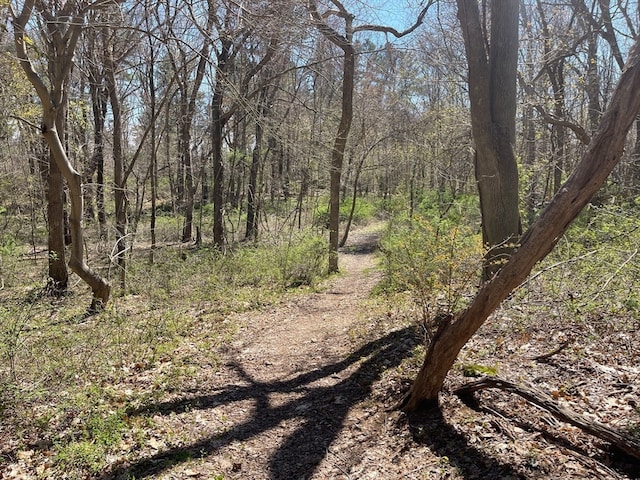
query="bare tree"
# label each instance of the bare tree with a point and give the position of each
(345, 42)
(67, 26)
(235, 26)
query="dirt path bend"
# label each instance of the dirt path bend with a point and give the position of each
(313, 329)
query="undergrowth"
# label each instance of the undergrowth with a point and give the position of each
(432, 264)
(431, 260)
(66, 377)
(593, 273)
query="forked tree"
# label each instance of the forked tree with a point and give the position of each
(492, 67)
(68, 23)
(345, 41)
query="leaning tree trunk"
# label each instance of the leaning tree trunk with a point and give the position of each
(347, 227)
(602, 155)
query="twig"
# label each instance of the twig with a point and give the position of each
(616, 273)
(548, 355)
(564, 262)
(346, 474)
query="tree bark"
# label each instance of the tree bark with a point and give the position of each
(340, 145)
(218, 121)
(356, 179)
(492, 93)
(58, 274)
(153, 167)
(119, 179)
(251, 226)
(602, 155)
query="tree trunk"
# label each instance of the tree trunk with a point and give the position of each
(218, 121)
(119, 180)
(492, 92)
(602, 155)
(529, 126)
(554, 66)
(558, 132)
(356, 179)
(189, 190)
(58, 275)
(153, 167)
(189, 95)
(218, 168)
(251, 227)
(339, 147)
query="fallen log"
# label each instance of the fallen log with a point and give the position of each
(546, 402)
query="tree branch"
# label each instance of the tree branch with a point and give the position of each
(325, 29)
(393, 31)
(544, 401)
(580, 132)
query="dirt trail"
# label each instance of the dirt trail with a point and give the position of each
(311, 329)
(293, 394)
(303, 390)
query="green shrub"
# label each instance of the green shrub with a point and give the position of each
(594, 269)
(282, 262)
(303, 260)
(80, 456)
(437, 262)
(367, 209)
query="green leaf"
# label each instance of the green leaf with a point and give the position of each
(474, 370)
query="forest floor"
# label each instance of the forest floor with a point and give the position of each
(304, 389)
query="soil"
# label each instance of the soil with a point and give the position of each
(305, 390)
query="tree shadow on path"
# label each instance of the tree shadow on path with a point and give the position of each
(321, 410)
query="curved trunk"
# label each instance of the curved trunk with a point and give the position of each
(347, 227)
(99, 286)
(49, 100)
